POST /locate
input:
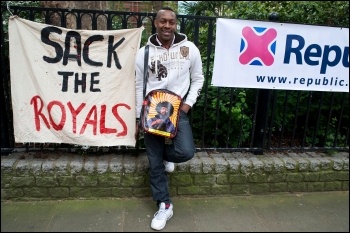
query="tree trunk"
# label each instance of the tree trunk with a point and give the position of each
(71, 22)
(157, 5)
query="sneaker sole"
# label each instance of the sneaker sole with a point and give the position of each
(161, 228)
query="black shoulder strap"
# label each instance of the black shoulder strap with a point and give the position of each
(145, 70)
(145, 78)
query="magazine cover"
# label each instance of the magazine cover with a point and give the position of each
(161, 113)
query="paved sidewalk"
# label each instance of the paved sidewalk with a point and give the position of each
(298, 212)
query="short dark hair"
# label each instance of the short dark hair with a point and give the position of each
(166, 8)
(167, 105)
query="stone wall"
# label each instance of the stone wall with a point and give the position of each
(61, 175)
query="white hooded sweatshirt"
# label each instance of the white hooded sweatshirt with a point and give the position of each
(178, 69)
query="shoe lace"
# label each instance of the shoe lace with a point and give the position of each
(160, 214)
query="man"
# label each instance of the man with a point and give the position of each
(174, 64)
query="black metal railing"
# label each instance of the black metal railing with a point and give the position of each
(223, 119)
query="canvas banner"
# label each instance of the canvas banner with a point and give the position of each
(273, 55)
(72, 86)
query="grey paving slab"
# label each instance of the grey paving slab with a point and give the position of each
(302, 212)
(224, 215)
(331, 210)
(138, 214)
(87, 216)
(289, 214)
(299, 212)
(26, 216)
(183, 219)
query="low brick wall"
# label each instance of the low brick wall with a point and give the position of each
(60, 175)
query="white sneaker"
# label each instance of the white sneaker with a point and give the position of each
(161, 216)
(169, 166)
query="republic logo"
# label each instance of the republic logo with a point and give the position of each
(258, 46)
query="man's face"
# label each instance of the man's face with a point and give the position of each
(165, 24)
(163, 111)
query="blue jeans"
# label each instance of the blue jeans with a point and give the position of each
(180, 151)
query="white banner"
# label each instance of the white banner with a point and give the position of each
(270, 55)
(73, 86)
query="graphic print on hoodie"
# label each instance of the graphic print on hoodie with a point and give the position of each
(162, 70)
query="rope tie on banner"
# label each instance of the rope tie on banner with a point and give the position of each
(8, 7)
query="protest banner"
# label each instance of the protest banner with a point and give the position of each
(72, 86)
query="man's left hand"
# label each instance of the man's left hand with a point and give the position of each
(185, 108)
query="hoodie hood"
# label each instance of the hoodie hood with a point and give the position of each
(179, 38)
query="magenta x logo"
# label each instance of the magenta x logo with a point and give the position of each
(257, 46)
